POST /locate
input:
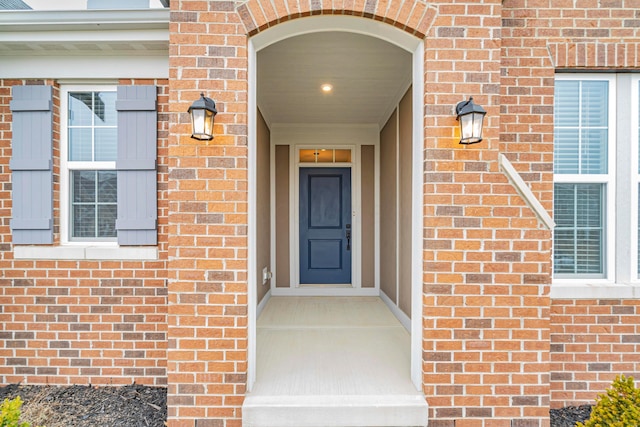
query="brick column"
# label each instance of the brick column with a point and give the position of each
(487, 258)
(207, 356)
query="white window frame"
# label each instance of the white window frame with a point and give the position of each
(634, 139)
(608, 179)
(622, 278)
(67, 166)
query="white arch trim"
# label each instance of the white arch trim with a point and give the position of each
(402, 39)
(352, 24)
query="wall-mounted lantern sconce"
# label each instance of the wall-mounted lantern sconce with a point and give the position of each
(470, 116)
(202, 113)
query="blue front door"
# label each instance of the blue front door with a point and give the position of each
(325, 225)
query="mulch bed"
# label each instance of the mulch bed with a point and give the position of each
(569, 416)
(140, 406)
(87, 406)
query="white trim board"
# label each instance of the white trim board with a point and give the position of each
(417, 225)
(252, 123)
(82, 252)
(525, 192)
(83, 67)
(325, 292)
(595, 291)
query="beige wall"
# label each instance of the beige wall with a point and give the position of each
(367, 177)
(395, 205)
(263, 205)
(405, 124)
(388, 196)
(282, 216)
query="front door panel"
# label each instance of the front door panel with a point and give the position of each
(325, 226)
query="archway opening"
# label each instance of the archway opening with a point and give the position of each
(335, 184)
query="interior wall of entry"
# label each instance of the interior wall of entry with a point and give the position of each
(286, 142)
(396, 198)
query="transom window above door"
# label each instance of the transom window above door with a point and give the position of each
(325, 155)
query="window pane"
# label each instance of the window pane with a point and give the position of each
(595, 100)
(564, 251)
(84, 217)
(579, 234)
(107, 220)
(589, 259)
(324, 156)
(588, 202)
(105, 109)
(106, 144)
(567, 102)
(107, 187)
(80, 107)
(564, 205)
(84, 186)
(343, 156)
(307, 156)
(566, 154)
(80, 144)
(594, 151)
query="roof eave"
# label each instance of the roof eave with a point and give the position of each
(70, 20)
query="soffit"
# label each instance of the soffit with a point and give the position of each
(82, 32)
(368, 75)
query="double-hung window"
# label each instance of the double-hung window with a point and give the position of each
(88, 176)
(596, 178)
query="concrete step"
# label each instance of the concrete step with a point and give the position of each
(335, 411)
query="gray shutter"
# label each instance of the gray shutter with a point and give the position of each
(31, 165)
(136, 165)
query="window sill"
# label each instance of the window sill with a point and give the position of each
(86, 252)
(595, 291)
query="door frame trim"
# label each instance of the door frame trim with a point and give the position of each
(294, 215)
(401, 39)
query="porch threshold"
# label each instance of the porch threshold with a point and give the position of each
(332, 362)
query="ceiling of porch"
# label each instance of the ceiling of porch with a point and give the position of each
(368, 76)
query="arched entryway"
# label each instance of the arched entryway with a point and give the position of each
(299, 153)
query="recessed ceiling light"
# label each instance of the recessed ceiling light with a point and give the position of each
(326, 87)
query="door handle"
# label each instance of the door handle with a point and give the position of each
(348, 236)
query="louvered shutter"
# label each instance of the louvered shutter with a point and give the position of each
(136, 165)
(31, 165)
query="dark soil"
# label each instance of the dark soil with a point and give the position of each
(140, 406)
(569, 416)
(87, 406)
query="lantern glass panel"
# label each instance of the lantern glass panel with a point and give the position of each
(477, 126)
(208, 123)
(197, 122)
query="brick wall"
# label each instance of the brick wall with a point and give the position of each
(81, 322)
(496, 350)
(486, 270)
(592, 341)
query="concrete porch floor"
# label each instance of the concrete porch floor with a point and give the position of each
(332, 361)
